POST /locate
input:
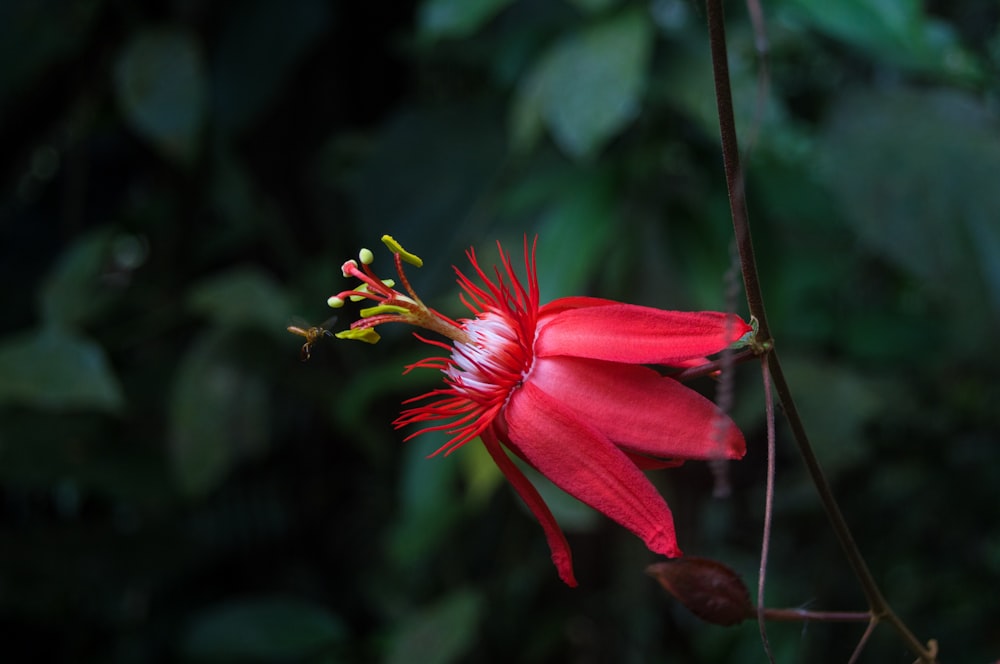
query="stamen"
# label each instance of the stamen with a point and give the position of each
(384, 309)
(366, 334)
(390, 305)
(397, 248)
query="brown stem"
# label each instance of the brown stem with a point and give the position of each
(741, 224)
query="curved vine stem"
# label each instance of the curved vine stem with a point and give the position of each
(765, 545)
(880, 609)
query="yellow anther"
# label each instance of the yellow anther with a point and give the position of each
(335, 302)
(383, 309)
(368, 335)
(366, 256)
(362, 288)
(397, 248)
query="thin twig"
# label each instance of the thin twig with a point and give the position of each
(863, 640)
(714, 366)
(803, 615)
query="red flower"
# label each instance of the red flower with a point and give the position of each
(564, 387)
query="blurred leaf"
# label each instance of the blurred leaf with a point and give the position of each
(75, 453)
(34, 35)
(527, 111)
(897, 31)
(72, 293)
(262, 629)
(574, 233)
(686, 82)
(836, 403)
(985, 235)
(587, 87)
(593, 6)
(575, 211)
(570, 513)
(456, 18)
(260, 43)
(480, 472)
(219, 414)
(160, 82)
(58, 370)
(429, 502)
(438, 634)
(243, 297)
(425, 176)
(934, 212)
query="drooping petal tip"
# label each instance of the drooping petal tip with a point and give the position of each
(581, 461)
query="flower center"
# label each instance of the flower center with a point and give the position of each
(490, 366)
(491, 353)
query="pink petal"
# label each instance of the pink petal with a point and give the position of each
(640, 410)
(561, 555)
(635, 335)
(586, 465)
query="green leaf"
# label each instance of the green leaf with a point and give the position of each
(587, 87)
(897, 31)
(593, 6)
(161, 84)
(440, 633)
(73, 292)
(57, 370)
(218, 416)
(429, 500)
(262, 629)
(440, 19)
(480, 473)
(916, 173)
(243, 297)
(575, 231)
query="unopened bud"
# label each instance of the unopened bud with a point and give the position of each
(707, 588)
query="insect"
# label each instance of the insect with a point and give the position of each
(312, 335)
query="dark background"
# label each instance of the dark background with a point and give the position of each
(178, 180)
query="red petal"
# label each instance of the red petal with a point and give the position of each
(650, 463)
(640, 410)
(635, 335)
(586, 465)
(575, 302)
(561, 555)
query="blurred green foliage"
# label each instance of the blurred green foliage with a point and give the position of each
(180, 180)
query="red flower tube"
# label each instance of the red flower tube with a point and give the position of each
(564, 387)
